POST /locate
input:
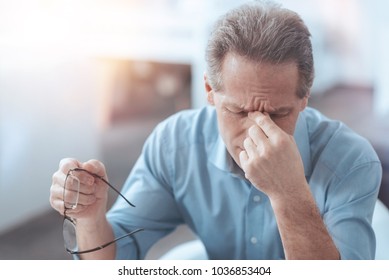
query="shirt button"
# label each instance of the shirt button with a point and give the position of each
(253, 240)
(257, 198)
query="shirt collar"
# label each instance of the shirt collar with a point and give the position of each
(301, 136)
(220, 157)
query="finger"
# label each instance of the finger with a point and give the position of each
(58, 205)
(86, 199)
(96, 167)
(70, 198)
(77, 212)
(80, 181)
(265, 123)
(82, 199)
(250, 147)
(257, 135)
(243, 158)
(73, 199)
(80, 177)
(58, 178)
(67, 164)
(56, 198)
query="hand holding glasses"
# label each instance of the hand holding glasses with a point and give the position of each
(71, 195)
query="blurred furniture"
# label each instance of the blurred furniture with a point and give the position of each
(383, 154)
(191, 250)
(381, 229)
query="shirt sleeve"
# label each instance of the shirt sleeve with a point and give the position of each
(148, 187)
(349, 211)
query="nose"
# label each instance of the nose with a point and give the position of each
(246, 125)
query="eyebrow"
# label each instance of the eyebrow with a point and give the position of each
(233, 105)
(282, 110)
(279, 110)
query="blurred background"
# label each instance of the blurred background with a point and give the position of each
(91, 79)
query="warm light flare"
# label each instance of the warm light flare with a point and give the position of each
(67, 26)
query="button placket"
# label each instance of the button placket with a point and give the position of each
(254, 224)
(253, 240)
(257, 198)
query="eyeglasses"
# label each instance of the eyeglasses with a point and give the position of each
(71, 193)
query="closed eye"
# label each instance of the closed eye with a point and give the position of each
(279, 115)
(236, 112)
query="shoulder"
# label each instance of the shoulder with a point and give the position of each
(188, 127)
(336, 145)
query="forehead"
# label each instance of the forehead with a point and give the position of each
(247, 83)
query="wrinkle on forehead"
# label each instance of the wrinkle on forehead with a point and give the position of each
(262, 104)
(253, 103)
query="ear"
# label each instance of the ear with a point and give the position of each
(304, 101)
(208, 90)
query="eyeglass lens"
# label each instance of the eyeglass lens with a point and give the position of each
(69, 235)
(71, 200)
(71, 190)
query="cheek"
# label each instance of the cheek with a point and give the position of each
(232, 128)
(287, 124)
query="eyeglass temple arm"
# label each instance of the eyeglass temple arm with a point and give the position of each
(105, 181)
(104, 245)
(116, 191)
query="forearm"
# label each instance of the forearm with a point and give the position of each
(94, 235)
(303, 232)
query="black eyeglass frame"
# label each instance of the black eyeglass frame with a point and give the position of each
(70, 220)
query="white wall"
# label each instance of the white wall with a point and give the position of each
(378, 38)
(51, 82)
(48, 111)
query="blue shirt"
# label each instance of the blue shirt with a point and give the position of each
(185, 175)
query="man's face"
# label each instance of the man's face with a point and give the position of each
(249, 87)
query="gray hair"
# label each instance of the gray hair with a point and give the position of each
(262, 32)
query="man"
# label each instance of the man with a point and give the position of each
(256, 175)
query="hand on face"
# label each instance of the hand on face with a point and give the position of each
(270, 159)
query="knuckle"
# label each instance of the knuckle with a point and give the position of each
(250, 172)
(51, 198)
(249, 169)
(281, 140)
(54, 177)
(252, 162)
(267, 154)
(88, 190)
(261, 120)
(57, 175)
(55, 202)
(91, 199)
(243, 156)
(251, 130)
(246, 141)
(68, 163)
(95, 166)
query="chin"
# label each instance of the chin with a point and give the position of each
(235, 156)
